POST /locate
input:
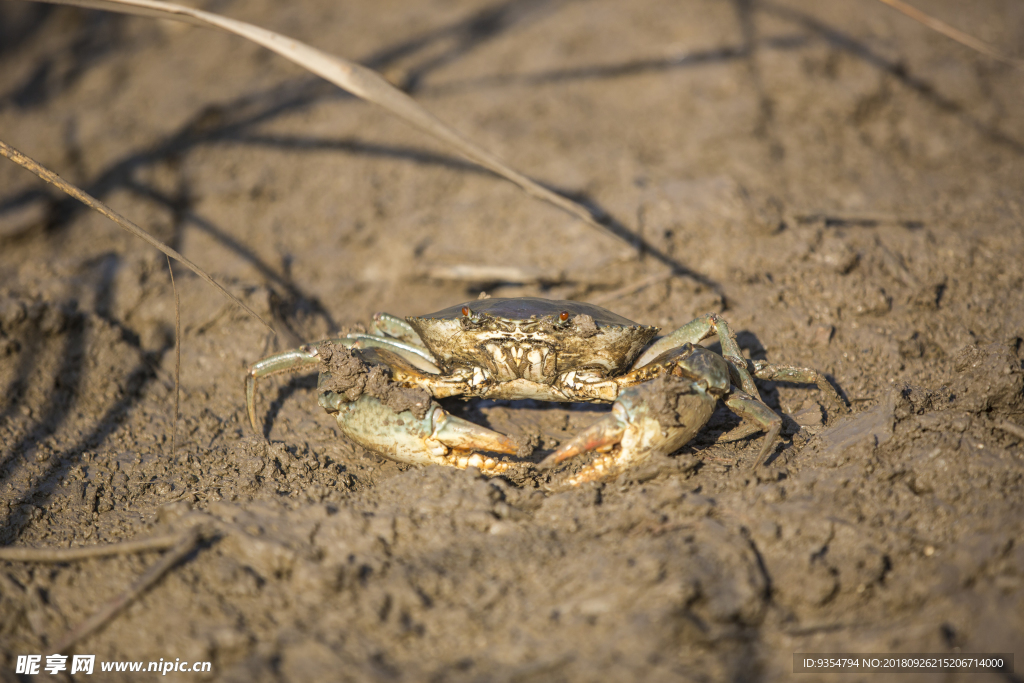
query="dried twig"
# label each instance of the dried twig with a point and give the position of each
(57, 555)
(952, 33)
(96, 205)
(631, 288)
(1010, 428)
(186, 544)
(177, 353)
(479, 273)
(356, 79)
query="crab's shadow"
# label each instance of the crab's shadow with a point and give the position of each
(544, 424)
(304, 384)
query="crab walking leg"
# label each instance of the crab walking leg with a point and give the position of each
(296, 360)
(417, 355)
(760, 416)
(753, 409)
(638, 429)
(436, 438)
(785, 373)
(696, 331)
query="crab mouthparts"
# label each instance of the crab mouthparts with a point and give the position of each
(513, 360)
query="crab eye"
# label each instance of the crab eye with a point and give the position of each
(466, 311)
(564, 316)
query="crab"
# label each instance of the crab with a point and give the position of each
(381, 386)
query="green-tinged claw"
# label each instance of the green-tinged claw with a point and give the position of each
(371, 424)
(602, 434)
(657, 417)
(460, 434)
(436, 438)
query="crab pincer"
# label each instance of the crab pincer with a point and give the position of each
(357, 386)
(654, 418)
(428, 437)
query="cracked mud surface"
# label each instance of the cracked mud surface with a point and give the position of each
(843, 185)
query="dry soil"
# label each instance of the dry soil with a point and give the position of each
(842, 184)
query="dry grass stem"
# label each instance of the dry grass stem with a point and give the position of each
(1011, 428)
(177, 354)
(356, 79)
(60, 555)
(631, 288)
(951, 32)
(186, 543)
(476, 273)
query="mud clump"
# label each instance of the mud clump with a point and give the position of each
(394, 395)
(348, 371)
(349, 376)
(667, 398)
(584, 326)
(528, 443)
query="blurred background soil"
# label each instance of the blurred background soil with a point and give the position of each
(842, 184)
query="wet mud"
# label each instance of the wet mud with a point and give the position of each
(839, 183)
(344, 372)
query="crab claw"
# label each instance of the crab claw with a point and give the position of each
(656, 417)
(600, 435)
(436, 437)
(459, 434)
